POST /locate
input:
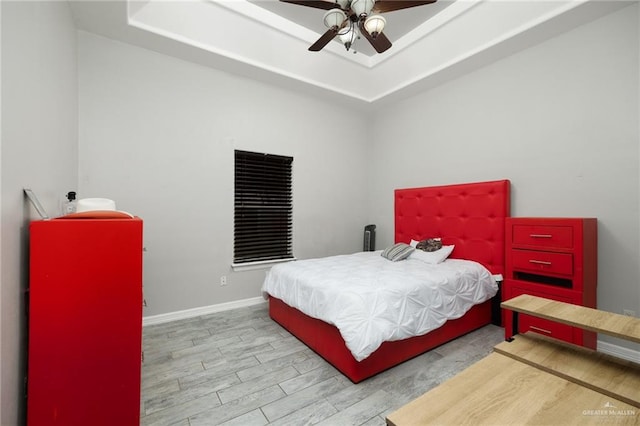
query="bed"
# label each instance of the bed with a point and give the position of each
(468, 216)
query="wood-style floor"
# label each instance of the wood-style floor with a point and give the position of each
(240, 368)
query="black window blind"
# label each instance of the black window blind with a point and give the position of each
(262, 208)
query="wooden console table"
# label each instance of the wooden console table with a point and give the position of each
(533, 379)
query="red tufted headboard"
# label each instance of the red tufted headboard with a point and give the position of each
(469, 215)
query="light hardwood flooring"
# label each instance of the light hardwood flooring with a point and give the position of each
(241, 368)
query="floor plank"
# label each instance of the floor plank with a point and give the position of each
(238, 367)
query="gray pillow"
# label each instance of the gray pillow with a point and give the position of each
(396, 252)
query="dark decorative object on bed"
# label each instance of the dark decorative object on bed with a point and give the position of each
(430, 244)
(469, 217)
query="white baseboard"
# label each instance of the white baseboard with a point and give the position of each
(204, 310)
(619, 351)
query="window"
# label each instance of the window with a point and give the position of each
(263, 211)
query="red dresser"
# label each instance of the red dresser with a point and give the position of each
(555, 258)
(85, 322)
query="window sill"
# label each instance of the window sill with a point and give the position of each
(264, 264)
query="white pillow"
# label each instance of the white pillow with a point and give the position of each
(432, 257)
(413, 243)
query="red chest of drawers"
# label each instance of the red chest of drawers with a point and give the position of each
(555, 258)
(85, 322)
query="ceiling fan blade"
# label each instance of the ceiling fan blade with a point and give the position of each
(383, 6)
(318, 4)
(381, 43)
(324, 39)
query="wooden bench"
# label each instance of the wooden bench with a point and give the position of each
(533, 379)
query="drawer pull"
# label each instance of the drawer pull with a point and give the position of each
(533, 327)
(539, 262)
(540, 235)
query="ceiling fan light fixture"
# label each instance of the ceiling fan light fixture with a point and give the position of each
(362, 7)
(374, 25)
(348, 36)
(334, 18)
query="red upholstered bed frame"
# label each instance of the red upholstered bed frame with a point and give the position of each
(471, 216)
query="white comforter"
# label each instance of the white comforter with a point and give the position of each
(372, 300)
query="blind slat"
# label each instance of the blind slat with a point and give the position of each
(263, 207)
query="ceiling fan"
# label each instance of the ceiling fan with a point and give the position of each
(348, 19)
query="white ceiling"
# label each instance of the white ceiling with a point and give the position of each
(267, 40)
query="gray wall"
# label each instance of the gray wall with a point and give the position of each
(38, 150)
(157, 135)
(560, 120)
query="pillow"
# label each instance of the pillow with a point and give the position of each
(432, 257)
(399, 251)
(413, 243)
(430, 244)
